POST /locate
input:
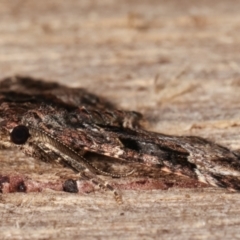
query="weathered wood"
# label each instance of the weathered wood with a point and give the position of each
(177, 62)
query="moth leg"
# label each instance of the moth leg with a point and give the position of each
(44, 154)
(87, 175)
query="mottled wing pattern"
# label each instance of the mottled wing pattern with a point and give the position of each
(87, 133)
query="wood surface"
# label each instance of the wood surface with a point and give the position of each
(177, 62)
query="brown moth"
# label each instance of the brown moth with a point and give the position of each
(73, 127)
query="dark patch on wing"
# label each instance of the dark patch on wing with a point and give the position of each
(130, 144)
(229, 162)
(230, 182)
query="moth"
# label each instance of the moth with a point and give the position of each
(90, 135)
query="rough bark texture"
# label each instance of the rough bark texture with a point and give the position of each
(177, 62)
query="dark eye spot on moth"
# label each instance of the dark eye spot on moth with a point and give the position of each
(19, 134)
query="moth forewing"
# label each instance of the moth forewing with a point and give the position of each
(89, 134)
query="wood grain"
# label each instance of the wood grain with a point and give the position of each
(177, 62)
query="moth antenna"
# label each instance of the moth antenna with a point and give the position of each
(75, 157)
